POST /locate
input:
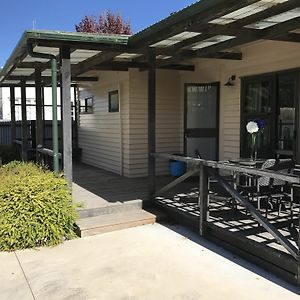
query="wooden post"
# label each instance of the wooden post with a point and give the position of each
(13, 114)
(39, 125)
(298, 262)
(67, 116)
(151, 120)
(76, 113)
(25, 129)
(203, 198)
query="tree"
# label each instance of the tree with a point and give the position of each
(107, 22)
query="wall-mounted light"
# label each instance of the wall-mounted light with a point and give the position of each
(231, 81)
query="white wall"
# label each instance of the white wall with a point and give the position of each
(101, 133)
(169, 120)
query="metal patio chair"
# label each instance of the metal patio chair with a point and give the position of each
(269, 192)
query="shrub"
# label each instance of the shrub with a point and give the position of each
(9, 153)
(35, 207)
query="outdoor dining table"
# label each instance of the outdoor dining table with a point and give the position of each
(245, 162)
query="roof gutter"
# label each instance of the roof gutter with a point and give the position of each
(54, 101)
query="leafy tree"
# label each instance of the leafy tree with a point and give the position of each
(107, 22)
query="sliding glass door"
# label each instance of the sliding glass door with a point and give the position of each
(272, 98)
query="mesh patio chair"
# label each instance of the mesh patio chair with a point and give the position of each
(269, 191)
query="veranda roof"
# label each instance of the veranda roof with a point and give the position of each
(206, 29)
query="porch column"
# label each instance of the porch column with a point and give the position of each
(203, 199)
(13, 114)
(39, 110)
(76, 112)
(25, 128)
(66, 113)
(151, 119)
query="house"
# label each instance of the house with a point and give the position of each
(256, 45)
(188, 84)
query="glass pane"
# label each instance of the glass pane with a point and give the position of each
(30, 101)
(257, 98)
(48, 96)
(18, 113)
(89, 101)
(48, 113)
(205, 146)
(89, 109)
(286, 117)
(201, 106)
(114, 102)
(31, 112)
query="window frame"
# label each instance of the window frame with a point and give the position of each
(110, 94)
(86, 106)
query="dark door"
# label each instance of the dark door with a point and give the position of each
(202, 120)
(272, 98)
(286, 114)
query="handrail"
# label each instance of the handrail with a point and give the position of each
(48, 152)
(232, 167)
(208, 167)
(18, 142)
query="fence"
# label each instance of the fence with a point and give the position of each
(5, 133)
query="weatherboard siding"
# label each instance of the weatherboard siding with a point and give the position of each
(103, 134)
(169, 134)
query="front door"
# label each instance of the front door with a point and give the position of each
(202, 120)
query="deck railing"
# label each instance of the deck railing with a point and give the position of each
(207, 169)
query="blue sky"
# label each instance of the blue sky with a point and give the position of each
(18, 15)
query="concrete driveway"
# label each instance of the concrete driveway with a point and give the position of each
(149, 262)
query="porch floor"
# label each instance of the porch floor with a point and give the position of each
(237, 221)
(95, 187)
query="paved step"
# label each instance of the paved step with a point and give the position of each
(110, 208)
(112, 222)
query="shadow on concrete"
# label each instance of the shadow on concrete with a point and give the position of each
(189, 234)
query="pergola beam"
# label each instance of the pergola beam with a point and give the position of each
(194, 15)
(269, 33)
(84, 46)
(48, 78)
(124, 66)
(88, 64)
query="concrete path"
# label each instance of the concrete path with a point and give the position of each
(149, 262)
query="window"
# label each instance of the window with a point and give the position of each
(86, 105)
(113, 101)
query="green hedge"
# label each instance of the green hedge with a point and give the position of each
(9, 153)
(35, 207)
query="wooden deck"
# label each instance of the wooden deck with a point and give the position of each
(237, 230)
(107, 187)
